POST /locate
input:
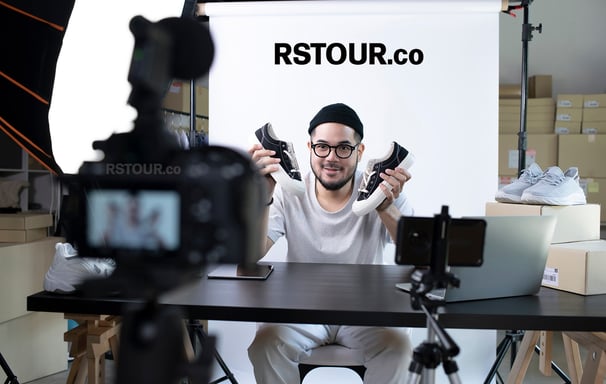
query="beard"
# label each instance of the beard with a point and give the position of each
(334, 185)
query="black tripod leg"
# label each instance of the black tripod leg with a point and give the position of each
(509, 341)
(199, 331)
(555, 367)
(10, 376)
(501, 351)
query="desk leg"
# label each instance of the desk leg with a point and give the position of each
(523, 357)
(545, 357)
(573, 358)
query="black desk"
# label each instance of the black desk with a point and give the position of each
(347, 294)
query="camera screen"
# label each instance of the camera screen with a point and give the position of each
(133, 220)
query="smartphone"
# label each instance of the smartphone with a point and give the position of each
(465, 239)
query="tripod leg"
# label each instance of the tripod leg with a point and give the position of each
(199, 331)
(520, 365)
(501, 351)
(10, 376)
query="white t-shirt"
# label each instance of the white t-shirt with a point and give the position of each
(318, 236)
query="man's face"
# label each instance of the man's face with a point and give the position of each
(332, 171)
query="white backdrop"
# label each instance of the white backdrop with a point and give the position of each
(444, 109)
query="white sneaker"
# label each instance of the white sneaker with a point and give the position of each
(370, 196)
(512, 193)
(68, 270)
(556, 188)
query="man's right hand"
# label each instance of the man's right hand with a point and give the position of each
(266, 163)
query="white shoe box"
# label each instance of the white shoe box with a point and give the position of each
(578, 267)
(32, 343)
(575, 222)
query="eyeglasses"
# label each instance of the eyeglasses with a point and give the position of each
(343, 151)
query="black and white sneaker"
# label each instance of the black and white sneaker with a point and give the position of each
(289, 174)
(370, 196)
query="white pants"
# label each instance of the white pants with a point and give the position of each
(277, 348)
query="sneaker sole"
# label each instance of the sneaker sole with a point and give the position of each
(507, 198)
(362, 207)
(574, 199)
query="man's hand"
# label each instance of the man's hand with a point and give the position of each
(267, 164)
(396, 178)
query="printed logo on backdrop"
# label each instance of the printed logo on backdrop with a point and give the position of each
(344, 53)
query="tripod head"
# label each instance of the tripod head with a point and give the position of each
(437, 276)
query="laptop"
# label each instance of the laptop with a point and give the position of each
(515, 254)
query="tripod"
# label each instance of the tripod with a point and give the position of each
(10, 376)
(429, 354)
(196, 330)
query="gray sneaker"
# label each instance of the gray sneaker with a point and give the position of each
(556, 188)
(512, 193)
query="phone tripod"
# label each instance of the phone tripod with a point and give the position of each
(10, 376)
(439, 347)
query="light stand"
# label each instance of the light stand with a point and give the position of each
(439, 346)
(512, 337)
(10, 376)
(527, 30)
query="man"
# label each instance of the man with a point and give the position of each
(320, 226)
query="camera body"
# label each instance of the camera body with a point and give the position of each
(162, 212)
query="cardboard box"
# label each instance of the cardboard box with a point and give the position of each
(541, 149)
(569, 114)
(570, 101)
(25, 220)
(593, 127)
(587, 152)
(33, 345)
(578, 267)
(530, 103)
(178, 98)
(594, 114)
(575, 222)
(22, 273)
(31, 342)
(539, 86)
(537, 113)
(510, 91)
(594, 101)
(566, 127)
(532, 126)
(22, 236)
(595, 190)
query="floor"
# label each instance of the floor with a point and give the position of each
(533, 375)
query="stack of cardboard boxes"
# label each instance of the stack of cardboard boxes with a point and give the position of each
(581, 125)
(576, 137)
(31, 342)
(577, 257)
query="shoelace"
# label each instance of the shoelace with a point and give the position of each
(552, 178)
(293, 160)
(530, 178)
(366, 178)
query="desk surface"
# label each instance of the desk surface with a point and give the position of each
(346, 294)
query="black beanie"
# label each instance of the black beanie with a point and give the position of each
(337, 113)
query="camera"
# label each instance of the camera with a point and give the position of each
(162, 212)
